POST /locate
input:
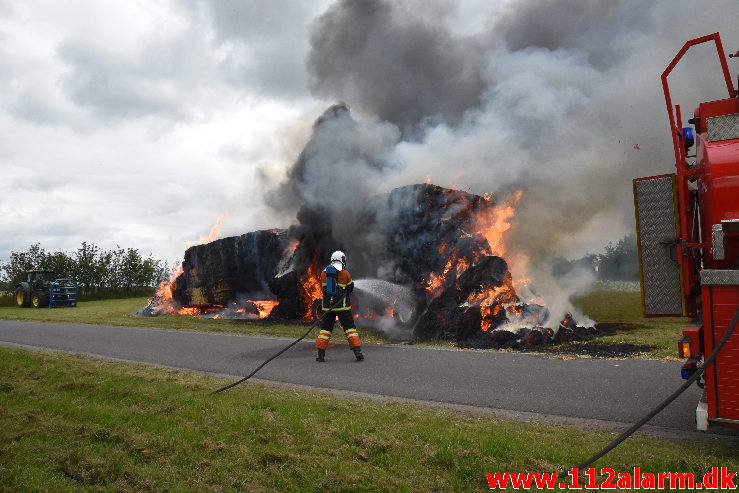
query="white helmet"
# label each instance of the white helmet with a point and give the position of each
(339, 257)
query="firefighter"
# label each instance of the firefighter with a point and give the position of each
(337, 284)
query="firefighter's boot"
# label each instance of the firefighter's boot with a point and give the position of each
(358, 353)
(321, 358)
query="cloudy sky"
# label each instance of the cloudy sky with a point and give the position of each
(139, 123)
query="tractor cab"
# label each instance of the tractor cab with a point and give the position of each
(41, 275)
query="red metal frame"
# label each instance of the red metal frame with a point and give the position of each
(688, 242)
(716, 172)
(721, 377)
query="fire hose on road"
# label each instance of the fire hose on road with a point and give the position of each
(312, 326)
(695, 376)
(692, 379)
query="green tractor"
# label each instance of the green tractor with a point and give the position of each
(42, 288)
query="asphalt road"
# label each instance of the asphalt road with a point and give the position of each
(595, 389)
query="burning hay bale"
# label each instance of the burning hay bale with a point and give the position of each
(217, 272)
(443, 246)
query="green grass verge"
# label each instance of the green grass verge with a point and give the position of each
(69, 423)
(617, 312)
(119, 312)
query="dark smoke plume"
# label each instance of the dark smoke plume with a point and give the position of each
(399, 66)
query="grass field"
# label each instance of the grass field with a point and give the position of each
(617, 312)
(70, 423)
(119, 312)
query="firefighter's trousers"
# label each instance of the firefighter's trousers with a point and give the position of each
(347, 323)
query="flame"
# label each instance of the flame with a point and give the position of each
(493, 222)
(485, 312)
(515, 310)
(194, 311)
(265, 307)
(163, 295)
(494, 295)
(491, 301)
(212, 236)
(436, 283)
(291, 247)
(311, 282)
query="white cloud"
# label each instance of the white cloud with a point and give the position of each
(121, 123)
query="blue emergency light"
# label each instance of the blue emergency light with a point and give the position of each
(688, 137)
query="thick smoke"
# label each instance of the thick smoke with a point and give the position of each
(560, 99)
(342, 165)
(389, 60)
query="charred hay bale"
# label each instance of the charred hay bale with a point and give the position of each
(416, 220)
(216, 272)
(448, 316)
(287, 288)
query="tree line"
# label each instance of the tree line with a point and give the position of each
(96, 270)
(619, 262)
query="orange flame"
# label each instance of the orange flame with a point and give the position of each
(212, 236)
(436, 283)
(515, 310)
(493, 222)
(164, 292)
(311, 282)
(193, 311)
(163, 295)
(291, 247)
(485, 312)
(265, 307)
(491, 301)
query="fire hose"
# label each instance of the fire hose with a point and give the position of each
(325, 312)
(695, 376)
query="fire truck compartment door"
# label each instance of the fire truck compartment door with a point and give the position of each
(657, 229)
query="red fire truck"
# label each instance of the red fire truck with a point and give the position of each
(688, 238)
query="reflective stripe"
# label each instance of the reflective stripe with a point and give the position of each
(354, 341)
(351, 332)
(321, 336)
(341, 309)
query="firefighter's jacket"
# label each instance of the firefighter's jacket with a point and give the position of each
(344, 285)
